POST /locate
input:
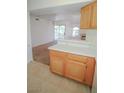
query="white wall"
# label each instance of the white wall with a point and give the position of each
(38, 4)
(42, 31)
(29, 45)
(91, 35)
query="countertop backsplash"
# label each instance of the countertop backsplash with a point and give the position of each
(91, 35)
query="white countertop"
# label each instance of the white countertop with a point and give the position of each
(84, 50)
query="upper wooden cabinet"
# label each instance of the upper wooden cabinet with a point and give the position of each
(85, 17)
(88, 17)
(94, 16)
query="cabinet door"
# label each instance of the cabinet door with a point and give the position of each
(90, 71)
(57, 65)
(75, 70)
(94, 16)
(85, 17)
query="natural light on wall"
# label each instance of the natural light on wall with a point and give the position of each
(75, 31)
(59, 31)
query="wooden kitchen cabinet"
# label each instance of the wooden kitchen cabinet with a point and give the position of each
(88, 16)
(94, 15)
(57, 62)
(77, 58)
(85, 17)
(77, 67)
(57, 65)
(75, 70)
(90, 71)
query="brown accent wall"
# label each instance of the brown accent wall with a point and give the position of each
(41, 53)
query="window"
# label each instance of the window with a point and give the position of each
(75, 31)
(59, 31)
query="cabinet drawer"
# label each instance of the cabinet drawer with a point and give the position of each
(56, 53)
(78, 58)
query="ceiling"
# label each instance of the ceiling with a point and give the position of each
(60, 13)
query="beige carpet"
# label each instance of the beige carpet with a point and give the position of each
(41, 80)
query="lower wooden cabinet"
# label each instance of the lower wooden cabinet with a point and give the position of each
(75, 70)
(90, 71)
(57, 65)
(79, 68)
